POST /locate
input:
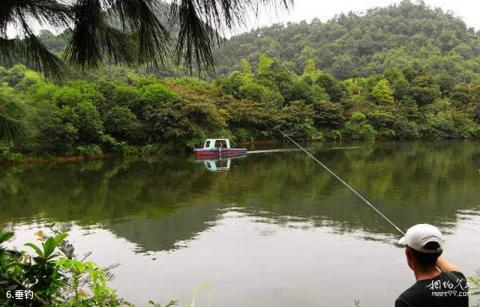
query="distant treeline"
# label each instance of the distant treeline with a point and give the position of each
(120, 112)
(403, 35)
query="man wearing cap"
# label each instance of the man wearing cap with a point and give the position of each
(439, 283)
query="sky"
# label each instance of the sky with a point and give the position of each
(468, 10)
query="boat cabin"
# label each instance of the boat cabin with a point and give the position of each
(218, 148)
(216, 143)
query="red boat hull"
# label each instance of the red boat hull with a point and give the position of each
(213, 153)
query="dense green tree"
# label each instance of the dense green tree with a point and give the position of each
(398, 83)
(476, 113)
(358, 127)
(122, 124)
(328, 115)
(331, 86)
(10, 127)
(56, 135)
(465, 94)
(296, 120)
(382, 94)
(142, 114)
(383, 122)
(86, 119)
(402, 36)
(424, 89)
(405, 129)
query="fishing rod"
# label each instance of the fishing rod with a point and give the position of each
(344, 183)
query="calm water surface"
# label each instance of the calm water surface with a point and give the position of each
(264, 230)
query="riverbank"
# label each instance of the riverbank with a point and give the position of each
(33, 160)
(135, 114)
(9, 158)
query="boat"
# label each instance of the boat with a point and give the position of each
(218, 148)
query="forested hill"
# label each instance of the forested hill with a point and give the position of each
(402, 35)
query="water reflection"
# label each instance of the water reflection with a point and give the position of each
(218, 165)
(156, 203)
(177, 224)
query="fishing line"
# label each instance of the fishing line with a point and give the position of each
(345, 183)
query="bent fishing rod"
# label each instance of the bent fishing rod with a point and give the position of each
(344, 183)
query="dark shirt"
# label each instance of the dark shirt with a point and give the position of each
(445, 290)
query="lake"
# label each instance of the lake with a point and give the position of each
(269, 229)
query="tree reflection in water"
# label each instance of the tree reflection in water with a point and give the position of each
(156, 203)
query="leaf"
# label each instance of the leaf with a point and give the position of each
(48, 247)
(36, 248)
(5, 236)
(59, 238)
(10, 129)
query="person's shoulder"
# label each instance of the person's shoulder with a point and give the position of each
(405, 298)
(410, 296)
(456, 278)
(455, 274)
(401, 301)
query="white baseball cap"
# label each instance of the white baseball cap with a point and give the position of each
(420, 235)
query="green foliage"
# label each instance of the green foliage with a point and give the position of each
(359, 128)
(6, 155)
(474, 285)
(86, 119)
(53, 273)
(138, 115)
(424, 89)
(92, 150)
(55, 133)
(331, 86)
(11, 111)
(356, 45)
(405, 129)
(127, 32)
(264, 65)
(383, 122)
(328, 115)
(476, 113)
(296, 120)
(121, 123)
(382, 94)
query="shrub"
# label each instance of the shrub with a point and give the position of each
(405, 129)
(296, 120)
(122, 124)
(260, 93)
(7, 155)
(86, 119)
(242, 135)
(476, 113)
(442, 125)
(54, 134)
(53, 274)
(91, 150)
(383, 122)
(358, 128)
(328, 115)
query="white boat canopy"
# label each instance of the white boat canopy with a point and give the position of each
(216, 143)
